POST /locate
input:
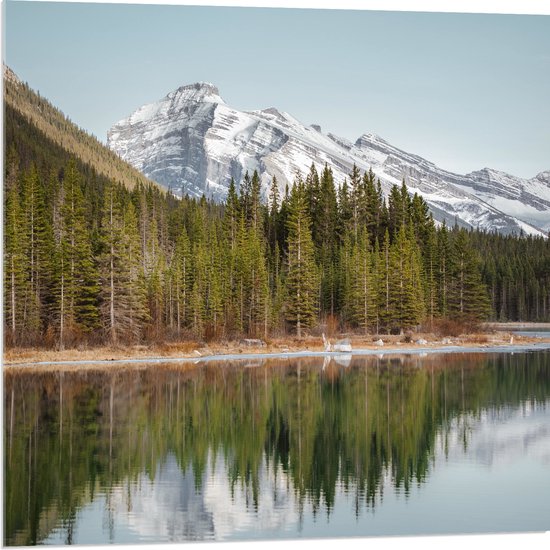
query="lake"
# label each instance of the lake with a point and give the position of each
(533, 333)
(285, 448)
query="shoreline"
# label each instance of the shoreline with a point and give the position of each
(407, 349)
(517, 325)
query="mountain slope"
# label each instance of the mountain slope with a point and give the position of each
(194, 143)
(54, 124)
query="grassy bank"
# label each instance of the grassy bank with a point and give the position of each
(198, 349)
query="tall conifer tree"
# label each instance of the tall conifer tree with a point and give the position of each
(15, 261)
(302, 277)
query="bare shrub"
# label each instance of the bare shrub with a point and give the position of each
(478, 338)
(454, 327)
(332, 325)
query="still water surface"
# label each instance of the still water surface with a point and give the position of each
(293, 448)
(533, 333)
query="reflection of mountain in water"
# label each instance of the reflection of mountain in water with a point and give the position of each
(172, 508)
(504, 436)
(220, 449)
(167, 507)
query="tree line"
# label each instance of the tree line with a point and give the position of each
(88, 260)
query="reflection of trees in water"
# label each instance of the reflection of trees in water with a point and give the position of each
(69, 435)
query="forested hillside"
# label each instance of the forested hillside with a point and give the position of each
(52, 122)
(88, 259)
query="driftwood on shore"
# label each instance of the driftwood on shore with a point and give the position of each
(252, 343)
(340, 346)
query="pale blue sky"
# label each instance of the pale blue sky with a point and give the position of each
(463, 90)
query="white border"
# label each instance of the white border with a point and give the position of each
(534, 7)
(533, 541)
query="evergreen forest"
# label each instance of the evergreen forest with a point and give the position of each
(88, 259)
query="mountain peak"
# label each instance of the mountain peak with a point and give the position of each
(544, 177)
(370, 138)
(490, 174)
(207, 87)
(272, 112)
(190, 143)
(486, 171)
(198, 91)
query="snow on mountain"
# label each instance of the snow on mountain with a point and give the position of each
(192, 142)
(528, 200)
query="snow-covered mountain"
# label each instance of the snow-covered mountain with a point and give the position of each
(193, 142)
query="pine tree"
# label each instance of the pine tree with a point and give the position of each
(302, 278)
(240, 264)
(200, 290)
(399, 207)
(255, 219)
(38, 248)
(231, 214)
(245, 197)
(278, 291)
(384, 283)
(444, 271)
(213, 287)
(313, 190)
(345, 211)
(430, 271)
(418, 292)
(197, 307)
(356, 199)
(373, 205)
(112, 235)
(272, 225)
(138, 314)
(377, 281)
(362, 294)
(405, 290)
(346, 274)
(123, 293)
(282, 226)
(154, 272)
(258, 288)
(421, 219)
(250, 281)
(76, 276)
(468, 297)
(182, 277)
(324, 227)
(15, 261)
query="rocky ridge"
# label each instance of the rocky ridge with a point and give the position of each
(193, 143)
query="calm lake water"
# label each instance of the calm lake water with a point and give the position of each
(533, 333)
(455, 443)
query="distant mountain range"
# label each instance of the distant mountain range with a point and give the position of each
(192, 142)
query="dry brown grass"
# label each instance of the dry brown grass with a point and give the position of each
(195, 349)
(478, 339)
(453, 327)
(172, 348)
